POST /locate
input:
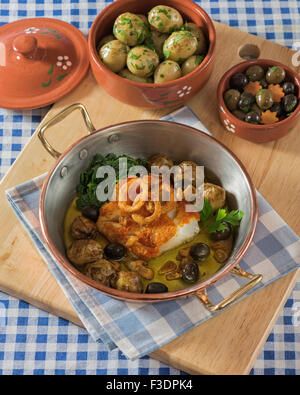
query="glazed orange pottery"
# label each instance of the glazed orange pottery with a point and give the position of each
(248, 131)
(41, 60)
(152, 96)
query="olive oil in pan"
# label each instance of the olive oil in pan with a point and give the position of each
(207, 268)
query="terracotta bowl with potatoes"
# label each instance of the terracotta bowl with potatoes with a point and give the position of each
(152, 54)
(259, 100)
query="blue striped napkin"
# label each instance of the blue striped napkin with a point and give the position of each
(138, 329)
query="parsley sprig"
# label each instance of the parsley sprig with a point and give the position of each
(214, 223)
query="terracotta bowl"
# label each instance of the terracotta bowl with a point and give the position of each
(152, 96)
(257, 133)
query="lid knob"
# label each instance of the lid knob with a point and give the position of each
(25, 44)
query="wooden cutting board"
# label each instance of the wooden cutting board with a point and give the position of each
(230, 342)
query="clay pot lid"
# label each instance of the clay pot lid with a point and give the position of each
(41, 60)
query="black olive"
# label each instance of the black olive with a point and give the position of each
(277, 107)
(263, 83)
(156, 288)
(91, 212)
(238, 81)
(239, 114)
(246, 102)
(190, 272)
(289, 103)
(222, 234)
(252, 117)
(199, 251)
(288, 88)
(114, 251)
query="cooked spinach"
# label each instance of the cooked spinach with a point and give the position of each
(88, 182)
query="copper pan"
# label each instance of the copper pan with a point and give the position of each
(143, 139)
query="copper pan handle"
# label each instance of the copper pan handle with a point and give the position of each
(237, 271)
(59, 117)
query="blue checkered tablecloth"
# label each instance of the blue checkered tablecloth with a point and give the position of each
(35, 342)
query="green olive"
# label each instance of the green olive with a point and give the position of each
(114, 55)
(264, 99)
(167, 71)
(130, 29)
(231, 98)
(255, 73)
(275, 75)
(165, 19)
(180, 46)
(142, 61)
(191, 64)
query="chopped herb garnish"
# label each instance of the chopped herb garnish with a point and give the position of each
(167, 53)
(164, 11)
(274, 68)
(214, 223)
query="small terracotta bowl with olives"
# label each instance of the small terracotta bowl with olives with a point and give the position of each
(259, 100)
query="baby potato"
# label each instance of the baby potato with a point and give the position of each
(105, 40)
(165, 19)
(180, 46)
(155, 41)
(125, 73)
(167, 71)
(198, 33)
(114, 55)
(130, 29)
(191, 63)
(142, 61)
(145, 20)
